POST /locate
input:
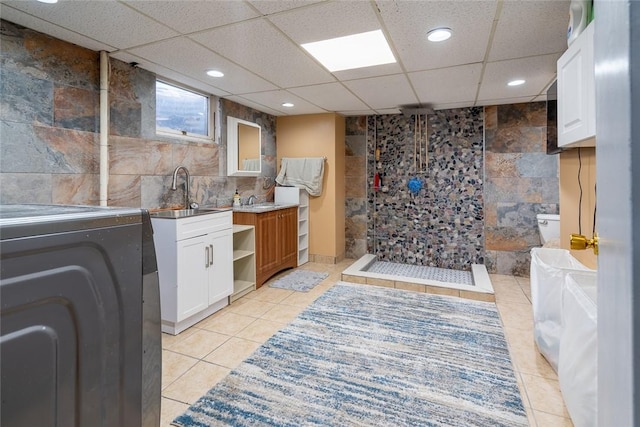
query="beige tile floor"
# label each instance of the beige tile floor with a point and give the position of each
(195, 360)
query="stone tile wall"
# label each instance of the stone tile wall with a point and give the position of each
(466, 212)
(49, 119)
(441, 225)
(355, 191)
(521, 180)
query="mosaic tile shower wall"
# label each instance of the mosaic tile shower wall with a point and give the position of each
(441, 225)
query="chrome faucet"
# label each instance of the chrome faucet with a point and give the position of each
(251, 200)
(186, 184)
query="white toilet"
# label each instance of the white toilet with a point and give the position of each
(549, 228)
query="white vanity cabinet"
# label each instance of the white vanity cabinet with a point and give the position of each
(577, 93)
(195, 267)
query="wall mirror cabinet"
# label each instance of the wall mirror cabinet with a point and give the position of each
(243, 148)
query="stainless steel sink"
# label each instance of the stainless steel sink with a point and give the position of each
(201, 209)
(183, 213)
(256, 208)
(262, 207)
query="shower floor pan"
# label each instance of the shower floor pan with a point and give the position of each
(481, 288)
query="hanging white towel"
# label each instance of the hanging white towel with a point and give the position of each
(251, 164)
(306, 172)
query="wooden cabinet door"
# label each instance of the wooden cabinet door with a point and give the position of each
(193, 276)
(276, 240)
(267, 242)
(288, 236)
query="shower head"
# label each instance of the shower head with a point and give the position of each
(413, 110)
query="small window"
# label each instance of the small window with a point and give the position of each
(182, 112)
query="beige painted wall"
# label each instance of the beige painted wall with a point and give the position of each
(570, 199)
(319, 135)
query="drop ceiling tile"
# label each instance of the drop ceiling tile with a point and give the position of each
(29, 21)
(503, 101)
(268, 7)
(259, 47)
(162, 72)
(528, 28)
(191, 16)
(363, 73)
(254, 105)
(327, 20)
(383, 92)
(191, 59)
(274, 100)
(409, 21)
(538, 71)
(349, 113)
(447, 85)
(110, 22)
(330, 96)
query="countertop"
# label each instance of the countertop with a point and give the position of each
(263, 207)
(185, 213)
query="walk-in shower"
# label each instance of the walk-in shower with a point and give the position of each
(425, 206)
(474, 284)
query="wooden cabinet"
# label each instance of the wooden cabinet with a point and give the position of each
(576, 93)
(287, 227)
(195, 267)
(244, 261)
(276, 240)
(300, 197)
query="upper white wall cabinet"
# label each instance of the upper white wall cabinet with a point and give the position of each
(577, 94)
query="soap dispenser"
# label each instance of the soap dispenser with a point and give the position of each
(236, 198)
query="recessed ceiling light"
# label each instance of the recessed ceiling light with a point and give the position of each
(517, 82)
(215, 73)
(48, 1)
(354, 51)
(439, 34)
(287, 104)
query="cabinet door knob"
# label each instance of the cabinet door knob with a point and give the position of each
(206, 255)
(211, 254)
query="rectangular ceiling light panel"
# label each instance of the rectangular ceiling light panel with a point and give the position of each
(354, 51)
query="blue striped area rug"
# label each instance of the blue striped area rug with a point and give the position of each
(370, 356)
